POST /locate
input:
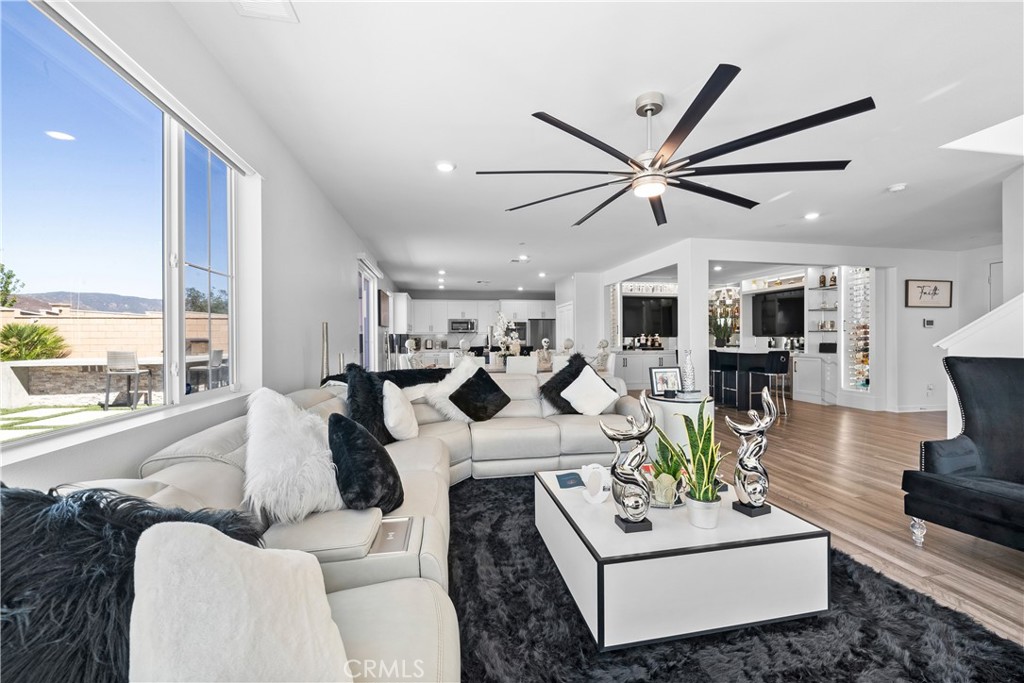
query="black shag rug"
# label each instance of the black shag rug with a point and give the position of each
(518, 622)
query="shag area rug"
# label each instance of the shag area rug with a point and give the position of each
(518, 622)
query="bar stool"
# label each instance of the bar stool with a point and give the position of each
(775, 371)
(723, 364)
(713, 373)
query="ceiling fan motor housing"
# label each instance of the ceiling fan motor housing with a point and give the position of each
(650, 101)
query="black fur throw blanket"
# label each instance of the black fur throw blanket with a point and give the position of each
(366, 394)
(67, 578)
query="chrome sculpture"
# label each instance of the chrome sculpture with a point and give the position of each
(630, 489)
(750, 477)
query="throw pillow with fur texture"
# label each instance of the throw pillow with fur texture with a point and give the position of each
(66, 580)
(288, 470)
(480, 397)
(399, 416)
(366, 394)
(367, 477)
(439, 395)
(560, 381)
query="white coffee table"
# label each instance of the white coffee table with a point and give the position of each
(677, 580)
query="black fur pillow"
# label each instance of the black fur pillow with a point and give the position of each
(553, 388)
(480, 397)
(67, 578)
(367, 477)
(366, 394)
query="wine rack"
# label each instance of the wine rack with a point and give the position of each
(857, 284)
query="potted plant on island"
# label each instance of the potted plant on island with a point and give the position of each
(700, 473)
(721, 329)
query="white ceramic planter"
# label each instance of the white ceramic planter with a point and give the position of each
(702, 514)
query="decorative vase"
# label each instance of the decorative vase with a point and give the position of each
(666, 490)
(703, 514)
(689, 376)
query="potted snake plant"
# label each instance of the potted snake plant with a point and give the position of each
(699, 473)
(668, 473)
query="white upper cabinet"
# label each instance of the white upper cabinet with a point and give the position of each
(463, 310)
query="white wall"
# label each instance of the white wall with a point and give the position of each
(585, 292)
(308, 268)
(910, 359)
(1013, 234)
(972, 281)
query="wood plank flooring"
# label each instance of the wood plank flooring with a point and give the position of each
(841, 469)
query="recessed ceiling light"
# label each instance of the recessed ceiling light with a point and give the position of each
(440, 272)
(523, 258)
(440, 286)
(717, 268)
(440, 279)
(897, 187)
(445, 166)
(812, 215)
(58, 135)
(542, 274)
(519, 289)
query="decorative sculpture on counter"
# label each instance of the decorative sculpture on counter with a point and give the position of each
(750, 477)
(515, 345)
(601, 359)
(463, 351)
(630, 489)
(544, 356)
(689, 380)
(567, 346)
(416, 361)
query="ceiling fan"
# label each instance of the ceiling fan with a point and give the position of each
(653, 171)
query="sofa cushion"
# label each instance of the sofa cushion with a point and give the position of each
(589, 394)
(333, 536)
(560, 381)
(440, 395)
(455, 435)
(400, 630)
(399, 417)
(479, 397)
(288, 471)
(427, 497)
(422, 453)
(995, 499)
(214, 484)
(67, 578)
(224, 442)
(505, 438)
(524, 394)
(209, 608)
(582, 433)
(366, 475)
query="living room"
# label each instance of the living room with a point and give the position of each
(318, 113)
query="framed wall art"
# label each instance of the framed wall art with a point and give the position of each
(929, 294)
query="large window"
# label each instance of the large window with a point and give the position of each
(93, 263)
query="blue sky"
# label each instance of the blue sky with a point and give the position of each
(86, 215)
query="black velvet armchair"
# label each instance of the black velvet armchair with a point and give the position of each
(974, 482)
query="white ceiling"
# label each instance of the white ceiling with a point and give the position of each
(369, 96)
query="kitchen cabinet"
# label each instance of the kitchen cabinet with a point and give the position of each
(807, 379)
(540, 309)
(429, 316)
(463, 310)
(514, 309)
(401, 319)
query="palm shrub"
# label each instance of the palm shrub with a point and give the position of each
(705, 455)
(19, 341)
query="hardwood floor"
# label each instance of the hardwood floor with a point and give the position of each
(841, 468)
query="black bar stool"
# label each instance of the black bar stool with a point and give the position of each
(775, 371)
(723, 364)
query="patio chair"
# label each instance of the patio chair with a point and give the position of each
(126, 364)
(211, 372)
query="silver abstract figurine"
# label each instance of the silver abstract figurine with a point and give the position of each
(750, 477)
(630, 489)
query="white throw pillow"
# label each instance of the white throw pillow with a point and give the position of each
(418, 391)
(210, 608)
(438, 394)
(289, 472)
(399, 416)
(589, 394)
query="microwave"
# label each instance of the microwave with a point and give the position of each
(461, 326)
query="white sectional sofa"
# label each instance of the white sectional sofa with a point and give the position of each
(207, 469)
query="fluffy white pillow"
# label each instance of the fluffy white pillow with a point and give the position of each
(289, 473)
(418, 391)
(399, 416)
(589, 394)
(210, 608)
(438, 394)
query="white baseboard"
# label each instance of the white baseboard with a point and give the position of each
(935, 407)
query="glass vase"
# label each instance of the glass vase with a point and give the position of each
(689, 377)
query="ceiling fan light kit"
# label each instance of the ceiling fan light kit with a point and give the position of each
(650, 173)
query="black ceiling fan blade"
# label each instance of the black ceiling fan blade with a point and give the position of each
(602, 205)
(659, 210)
(812, 121)
(712, 192)
(708, 95)
(566, 194)
(589, 139)
(621, 173)
(779, 167)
